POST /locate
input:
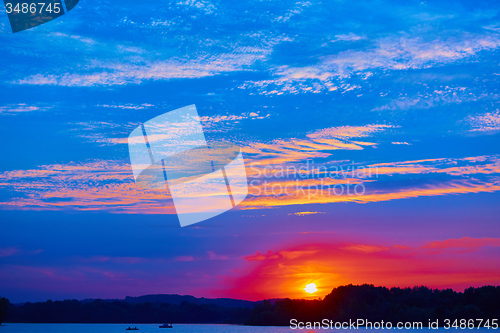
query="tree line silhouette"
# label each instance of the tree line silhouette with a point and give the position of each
(99, 311)
(418, 304)
(343, 303)
(4, 304)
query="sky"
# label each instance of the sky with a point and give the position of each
(370, 132)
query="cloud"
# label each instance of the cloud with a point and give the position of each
(93, 185)
(405, 51)
(298, 9)
(486, 122)
(206, 7)
(314, 145)
(121, 260)
(309, 192)
(350, 37)
(270, 255)
(109, 73)
(14, 250)
(8, 251)
(13, 109)
(334, 183)
(449, 95)
(347, 132)
(214, 256)
(185, 258)
(224, 123)
(128, 106)
(363, 248)
(463, 243)
(486, 165)
(305, 213)
(109, 185)
(107, 133)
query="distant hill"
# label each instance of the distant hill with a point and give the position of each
(178, 299)
(148, 310)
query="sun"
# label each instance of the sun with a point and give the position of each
(311, 288)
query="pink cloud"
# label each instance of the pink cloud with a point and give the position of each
(185, 258)
(363, 248)
(464, 243)
(270, 255)
(213, 256)
(9, 251)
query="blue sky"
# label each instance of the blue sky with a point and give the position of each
(407, 89)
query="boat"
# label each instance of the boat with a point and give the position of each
(166, 326)
(132, 329)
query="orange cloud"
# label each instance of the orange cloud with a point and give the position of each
(288, 185)
(314, 145)
(313, 195)
(109, 185)
(86, 186)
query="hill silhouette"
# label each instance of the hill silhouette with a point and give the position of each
(178, 299)
(100, 311)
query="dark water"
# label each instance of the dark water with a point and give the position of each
(185, 328)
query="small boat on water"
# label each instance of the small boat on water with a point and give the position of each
(132, 329)
(166, 326)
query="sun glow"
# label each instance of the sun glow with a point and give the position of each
(311, 288)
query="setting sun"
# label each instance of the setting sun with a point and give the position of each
(311, 288)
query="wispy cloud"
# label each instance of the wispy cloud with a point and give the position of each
(486, 122)
(395, 53)
(405, 52)
(109, 185)
(86, 186)
(350, 37)
(8, 251)
(468, 243)
(305, 213)
(120, 73)
(13, 109)
(128, 106)
(373, 182)
(316, 144)
(224, 123)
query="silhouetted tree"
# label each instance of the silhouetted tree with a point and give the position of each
(417, 304)
(4, 305)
